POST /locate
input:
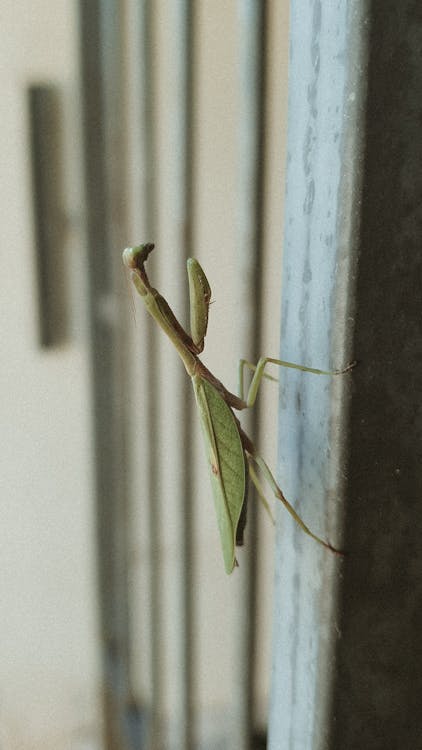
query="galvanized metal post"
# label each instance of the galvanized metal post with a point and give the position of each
(347, 661)
(183, 18)
(250, 211)
(180, 209)
(147, 138)
(102, 100)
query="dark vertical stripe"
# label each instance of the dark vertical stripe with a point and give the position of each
(252, 69)
(101, 67)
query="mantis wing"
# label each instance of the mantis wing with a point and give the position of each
(227, 462)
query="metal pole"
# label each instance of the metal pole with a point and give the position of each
(347, 667)
(101, 55)
(250, 211)
(179, 204)
(155, 512)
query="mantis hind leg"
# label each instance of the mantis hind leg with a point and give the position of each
(259, 373)
(263, 467)
(258, 486)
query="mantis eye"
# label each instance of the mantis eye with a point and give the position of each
(129, 257)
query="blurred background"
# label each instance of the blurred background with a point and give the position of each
(125, 122)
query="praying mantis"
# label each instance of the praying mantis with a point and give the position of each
(231, 455)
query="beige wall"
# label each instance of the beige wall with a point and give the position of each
(48, 626)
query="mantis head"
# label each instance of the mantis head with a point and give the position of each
(135, 257)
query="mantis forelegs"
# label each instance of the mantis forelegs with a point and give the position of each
(259, 374)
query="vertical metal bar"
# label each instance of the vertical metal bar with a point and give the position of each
(326, 97)
(347, 662)
(149, 198)
(252, 31)
(104, 177)
(188, 528)
(185, 33)
(166, 53)
(179, 223)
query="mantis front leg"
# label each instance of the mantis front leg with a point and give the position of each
(259, 374)
(199, 302)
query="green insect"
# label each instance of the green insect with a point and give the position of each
(231, 454)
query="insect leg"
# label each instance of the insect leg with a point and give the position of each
(260, 367)
(279, 495)
(243, 363)
(258, 486)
